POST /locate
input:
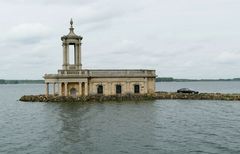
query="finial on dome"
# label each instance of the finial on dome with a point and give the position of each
(71, 22)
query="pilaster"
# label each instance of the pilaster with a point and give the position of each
(128, 87)
(47, 89)
(146, 86)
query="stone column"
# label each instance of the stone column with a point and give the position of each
(47, 89)
(77, 54)
(65, 89)
(67, 53)
(86, 88)
(60, 88)
(54, 90)
(64, 55)
(80, 89)
(80, 55)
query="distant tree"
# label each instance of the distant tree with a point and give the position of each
(166, 79)
(236, 79)
(2, 81)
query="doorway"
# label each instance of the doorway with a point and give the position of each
(136, 89)
(100, 89)
(118, 89)
(73, 92)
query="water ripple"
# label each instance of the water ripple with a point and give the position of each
(163, 126)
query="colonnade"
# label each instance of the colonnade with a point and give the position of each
(82, 88)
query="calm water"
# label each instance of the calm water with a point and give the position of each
(222, 87)
(163, 126)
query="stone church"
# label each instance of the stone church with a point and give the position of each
(74, 81)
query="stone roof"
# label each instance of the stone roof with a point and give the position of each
(71, 34)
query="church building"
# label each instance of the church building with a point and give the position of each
(73, 80)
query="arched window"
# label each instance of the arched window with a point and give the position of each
(136, 89)
(100, 89)
(118, 89)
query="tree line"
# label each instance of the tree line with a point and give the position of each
(170, 79)
(2, 81)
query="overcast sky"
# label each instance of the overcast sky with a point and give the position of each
(178, 38)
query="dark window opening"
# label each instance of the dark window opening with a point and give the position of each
(136, 89)
(118, 89)
(100, 89)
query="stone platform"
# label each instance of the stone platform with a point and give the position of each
(130, 97)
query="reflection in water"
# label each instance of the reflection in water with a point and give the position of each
(74, 129)
(93, 127)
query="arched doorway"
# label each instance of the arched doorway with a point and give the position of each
(73, 92)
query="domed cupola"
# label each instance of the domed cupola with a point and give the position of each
(71, 34)
(75, 41)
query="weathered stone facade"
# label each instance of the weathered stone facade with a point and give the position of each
(72, 80)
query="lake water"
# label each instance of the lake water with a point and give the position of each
(161, 126)
(220, 86)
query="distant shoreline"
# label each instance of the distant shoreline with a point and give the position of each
(159, 79)
(2, 81)
(170, 79)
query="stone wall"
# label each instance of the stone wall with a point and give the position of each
(200, 96)
(109, 85)
(82, 99)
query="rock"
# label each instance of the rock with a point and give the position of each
(130, 97)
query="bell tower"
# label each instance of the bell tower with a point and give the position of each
(74, 41)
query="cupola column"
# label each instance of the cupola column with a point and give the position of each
(67, 53)
(80, 56)
(65, 56)
(75, 55)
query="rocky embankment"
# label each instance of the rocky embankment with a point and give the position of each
(91, 98)
(157, 95)
(200, 96)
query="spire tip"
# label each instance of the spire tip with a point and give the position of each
(71, 22)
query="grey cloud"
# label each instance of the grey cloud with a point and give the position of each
(177, 38)
(229, 58)
(27, 33)
(52, 2)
